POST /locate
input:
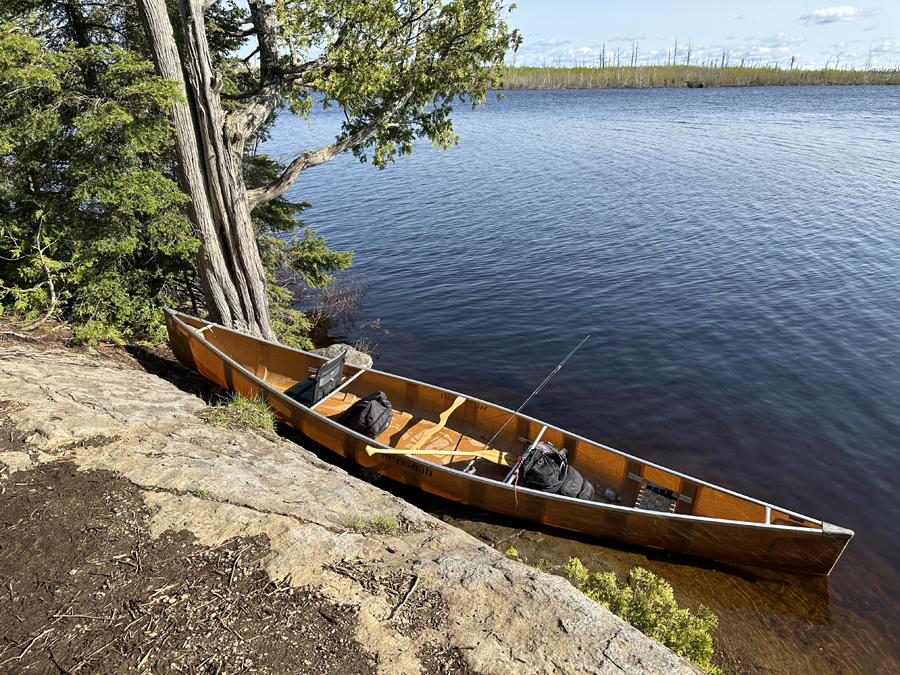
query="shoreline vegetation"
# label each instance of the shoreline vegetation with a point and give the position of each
(684, 76)
(646, 602)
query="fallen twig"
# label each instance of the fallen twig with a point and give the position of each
(29, 646)
(237, 559)
(405, 598)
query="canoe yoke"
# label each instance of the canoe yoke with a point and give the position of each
(442, 422)
(324, 381)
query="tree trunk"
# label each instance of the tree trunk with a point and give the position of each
(209, 161)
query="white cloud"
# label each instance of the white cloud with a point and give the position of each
(887, 47)
(780, 41)
(834, 15)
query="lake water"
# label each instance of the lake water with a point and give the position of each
(734, 256)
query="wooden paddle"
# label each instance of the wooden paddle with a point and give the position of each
(440, 425)
(496, 456)
(504, 458)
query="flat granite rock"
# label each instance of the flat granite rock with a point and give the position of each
(504, 617)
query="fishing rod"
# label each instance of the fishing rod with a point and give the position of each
(536, 391)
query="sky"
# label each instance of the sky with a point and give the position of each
(570, 32)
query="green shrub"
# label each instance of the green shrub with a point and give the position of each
(648, 604)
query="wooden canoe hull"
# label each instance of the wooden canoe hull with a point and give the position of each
(812, 548)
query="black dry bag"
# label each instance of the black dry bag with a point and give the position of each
(548, 469)
(370, 415)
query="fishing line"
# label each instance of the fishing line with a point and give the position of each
(536, 391)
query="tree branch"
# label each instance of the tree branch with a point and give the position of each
(49, 282)
(247, 32)
(252, 114)
(321, 156)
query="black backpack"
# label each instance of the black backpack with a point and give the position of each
(370, 415)
(548, 469)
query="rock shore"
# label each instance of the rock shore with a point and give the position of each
(489, 613)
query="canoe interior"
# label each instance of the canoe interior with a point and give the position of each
(417, 408)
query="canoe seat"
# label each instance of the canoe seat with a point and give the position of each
(654, 498)
(316, 387)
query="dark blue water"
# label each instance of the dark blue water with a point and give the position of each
(733, 253)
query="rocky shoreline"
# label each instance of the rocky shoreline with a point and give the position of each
(136, 537)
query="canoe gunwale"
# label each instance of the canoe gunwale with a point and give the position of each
(824, 529)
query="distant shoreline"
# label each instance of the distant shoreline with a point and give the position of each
(682, 77)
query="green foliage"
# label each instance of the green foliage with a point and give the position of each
(421, 56)
(89, 214)
(541, 564)
(648, 604)
(94, 225)
(544, 566)
(576, 572)
(243, 413)
(355, 522)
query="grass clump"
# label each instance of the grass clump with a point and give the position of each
(377, 523)
(355, 522)
(385, 523)
(648, 604)
(244, 413)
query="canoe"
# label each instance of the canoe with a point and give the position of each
(438, 441)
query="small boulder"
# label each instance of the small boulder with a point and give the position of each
(354, 356)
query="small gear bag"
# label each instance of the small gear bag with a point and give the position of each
(369, 416)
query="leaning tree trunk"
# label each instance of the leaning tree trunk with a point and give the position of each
(209, 159)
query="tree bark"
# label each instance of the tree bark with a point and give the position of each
(210, 151)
